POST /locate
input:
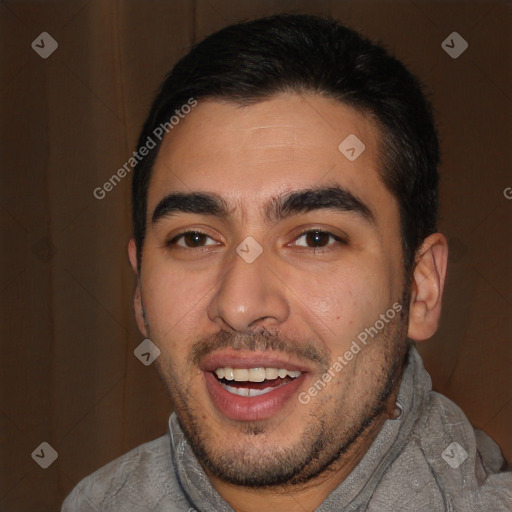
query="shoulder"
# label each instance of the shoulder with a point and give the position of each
(142, 479)
(445, 465)
(463, 464)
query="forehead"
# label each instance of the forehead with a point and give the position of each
(249, 154)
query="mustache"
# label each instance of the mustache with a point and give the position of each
(259, 341)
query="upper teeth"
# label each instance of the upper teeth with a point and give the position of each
(254, 374)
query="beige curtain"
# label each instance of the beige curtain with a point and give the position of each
(69, 121)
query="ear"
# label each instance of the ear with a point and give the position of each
(427, 287)
(137, 298)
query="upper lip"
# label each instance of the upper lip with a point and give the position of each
(248, 359)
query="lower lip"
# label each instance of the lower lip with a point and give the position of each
(244, 408)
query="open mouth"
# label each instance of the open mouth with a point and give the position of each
(252, 386)
(254, 382)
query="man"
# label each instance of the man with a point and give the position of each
(287, 259)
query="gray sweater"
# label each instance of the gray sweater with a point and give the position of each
(430, 459)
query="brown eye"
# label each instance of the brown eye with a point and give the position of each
(191, 240)
(317, 239)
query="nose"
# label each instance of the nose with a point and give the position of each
(249, 295)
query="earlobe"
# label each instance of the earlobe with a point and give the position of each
(428, 284)
(137, 297)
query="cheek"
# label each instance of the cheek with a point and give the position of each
(172, 298)
(347, 295)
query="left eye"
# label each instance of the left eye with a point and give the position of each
(191, 239)
(316, 239)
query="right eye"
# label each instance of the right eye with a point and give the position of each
(191, 240)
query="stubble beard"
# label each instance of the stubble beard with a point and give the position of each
(329, 433)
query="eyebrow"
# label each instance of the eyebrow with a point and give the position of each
(278, 208)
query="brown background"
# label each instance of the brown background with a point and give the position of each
(69, 376)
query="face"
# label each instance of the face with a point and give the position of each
(268, 256)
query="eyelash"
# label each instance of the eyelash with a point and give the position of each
(173, 242)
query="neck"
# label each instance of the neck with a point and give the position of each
(308, 496)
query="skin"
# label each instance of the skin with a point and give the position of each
(301, 294)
